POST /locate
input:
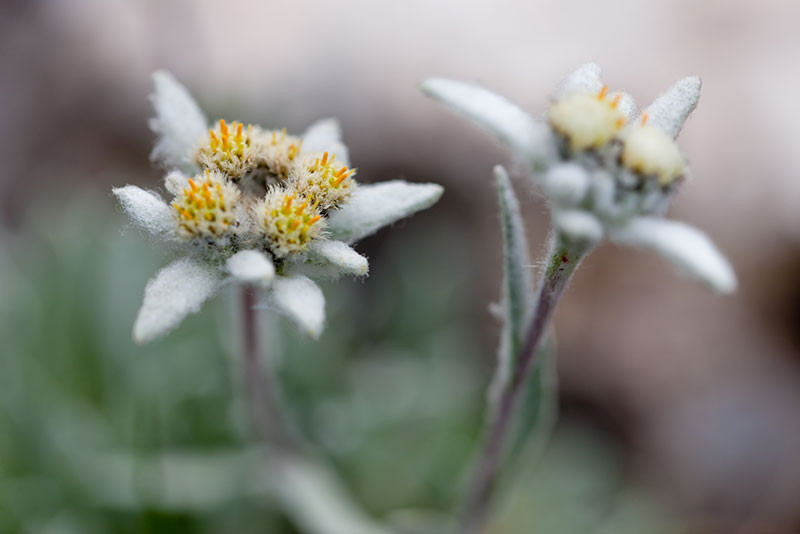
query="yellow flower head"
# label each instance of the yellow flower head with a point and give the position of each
(649, 151)
(278, 152)
(324, 182)
(289, 221)
(229, 149)
(206, 207)
(587, 120)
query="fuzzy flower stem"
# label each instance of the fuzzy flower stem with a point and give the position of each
(563, 259)
(265, 406)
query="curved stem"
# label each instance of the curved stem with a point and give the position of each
(563, 260)
(262, 396)
(307, 490)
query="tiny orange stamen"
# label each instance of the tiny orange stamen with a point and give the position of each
(620, 122)
(192, 185)
(294, 224)
(287, 206)
(223, 127)
(602, 93)
(300, 208)
(645, 116)
(314, 219)
(615, 102)
(214, 139)
(325, 158)
(239, 127)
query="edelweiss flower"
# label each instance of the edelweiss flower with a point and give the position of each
(256, 207)
(607, 171)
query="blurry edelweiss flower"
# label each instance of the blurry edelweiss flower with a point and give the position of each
(606, 171)
(256, 207)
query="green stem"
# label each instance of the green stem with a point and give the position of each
(262, 394)
(563, 259)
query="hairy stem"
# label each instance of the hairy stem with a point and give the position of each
(262, 395)
(563, 259)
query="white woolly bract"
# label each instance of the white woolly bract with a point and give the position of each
(585, 78)
(147, 210)
(566, 184)
(687, 247)
(301, 300)
(670, 110)
(527, 137)
(326, 136)
(338, 254)
(374, 206)
(578, 225)
(517, 287)
(175, 182)
(251, 267)
(177, 290)
(179, 123)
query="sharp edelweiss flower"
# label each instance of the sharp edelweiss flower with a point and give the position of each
(257, 207)
(607, 172)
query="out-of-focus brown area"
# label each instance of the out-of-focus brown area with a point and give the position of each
(703, 390)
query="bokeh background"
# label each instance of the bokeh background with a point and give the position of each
(678, 407)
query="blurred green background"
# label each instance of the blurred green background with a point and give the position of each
(678, 408)
(101, 435)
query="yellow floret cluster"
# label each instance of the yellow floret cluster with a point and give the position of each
(593, 121)
(324, 182)
(279, 152)
(230, 150)
(257, 188)
(649, 151)
(205, 208)
(288, 221)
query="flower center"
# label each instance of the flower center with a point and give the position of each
(289, 221)
(205, 208)
(324, 182)
(229, 149)
(649, 151)
(279, 152)
(587, 120)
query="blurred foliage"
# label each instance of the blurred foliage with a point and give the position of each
(100, 435)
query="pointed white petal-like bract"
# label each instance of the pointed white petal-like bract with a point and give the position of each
(626, 105)
(175, 182)
(517, 289)
(689, 248)
(528, 138)
(251, 267)
(339, 255)
(147, 210)
(374, 206)
(578, 225)
(177, 290)
(326, 135)
(179, 123)
(670, 110)
(302, 301)
(584, 78)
